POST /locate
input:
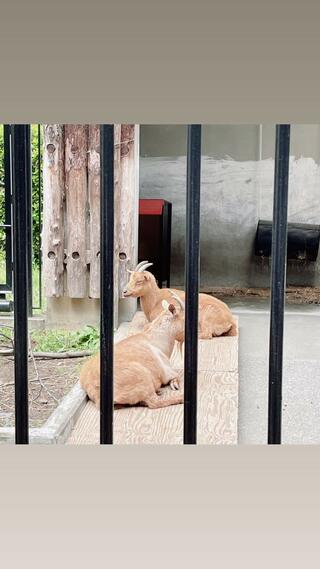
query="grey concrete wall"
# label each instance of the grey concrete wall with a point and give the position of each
(236, 191)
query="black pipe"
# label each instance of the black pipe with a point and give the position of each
(278, 280)
(168, 226)
(6, 305)
(106, 283)
(302, 241)
(20, 278)
(192, 283)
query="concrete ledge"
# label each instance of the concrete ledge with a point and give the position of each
(61, 422)
(35, 322)
(58, 427)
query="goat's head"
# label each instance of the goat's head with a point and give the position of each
(170, 319)
(140, 282)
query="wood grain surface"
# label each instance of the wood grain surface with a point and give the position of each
(217, 402)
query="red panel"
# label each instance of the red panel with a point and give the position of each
(151, 207)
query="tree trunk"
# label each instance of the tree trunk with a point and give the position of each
(94, 208)
(76, 201)
(117, 218)
(128, 204)
(53, 210)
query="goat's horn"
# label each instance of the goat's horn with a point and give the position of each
(144, 267)
(178, 299)
(128, 271)
(140, 265)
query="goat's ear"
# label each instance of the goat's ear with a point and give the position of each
(146, 276)
(172, 308)
(165, 305)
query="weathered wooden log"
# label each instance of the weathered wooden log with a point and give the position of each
(53, 209)
(128, 202)
(94, 208)
(71, 234)
(117, 217)
(76, 143)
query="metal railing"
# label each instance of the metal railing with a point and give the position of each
(278, 281)
(6, 226)
(20, 241)
(107, 283)
(192, 266)
(34, 202)
(20, 281)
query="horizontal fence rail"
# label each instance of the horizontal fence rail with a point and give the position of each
(192, 283)
(278, 281)
(106, 283)
(20, 281)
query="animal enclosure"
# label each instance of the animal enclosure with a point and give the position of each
(81, 189)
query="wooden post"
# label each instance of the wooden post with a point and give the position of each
(53, 210)
(129, 207)
(127, 173)
(94, 209)
(70, 176)
(117, 217)
(76, 202)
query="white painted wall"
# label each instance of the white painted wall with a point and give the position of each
(235, 194)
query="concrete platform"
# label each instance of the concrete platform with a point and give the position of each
(34, 322)
(217, 402)
(301, 375)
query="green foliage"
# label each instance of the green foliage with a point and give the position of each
(6, 336)
(62, 340)
(1, 188)
(36, 189)
(88, 338)
(37, 155)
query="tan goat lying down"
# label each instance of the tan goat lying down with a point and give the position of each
(142, 364)
(215, 318)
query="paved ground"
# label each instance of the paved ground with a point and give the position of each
(301, 381)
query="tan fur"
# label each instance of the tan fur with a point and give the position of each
(215, 318)
(141, 365)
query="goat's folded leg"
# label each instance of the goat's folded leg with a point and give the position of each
(170, 376)
(155, 401)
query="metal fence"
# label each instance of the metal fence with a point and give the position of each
(33, 171)
(6, 225)
(20, 243)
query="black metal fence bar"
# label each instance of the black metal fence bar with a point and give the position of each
(20, 245)
(192, 283)
(107, 283)
(278, 281)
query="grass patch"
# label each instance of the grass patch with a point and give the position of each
(6, 337)
(66, 341)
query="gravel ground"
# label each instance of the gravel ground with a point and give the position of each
(57, 377)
